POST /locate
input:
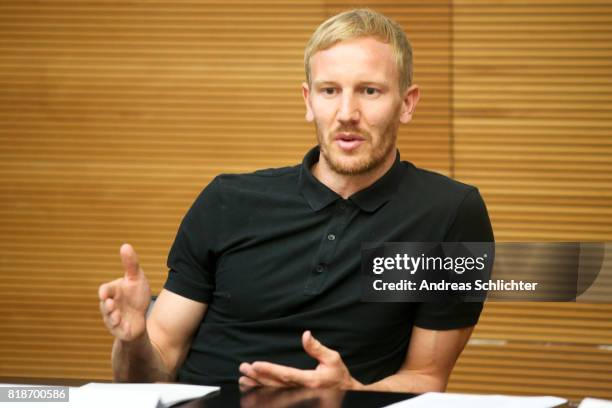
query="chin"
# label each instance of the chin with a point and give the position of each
(351, 166)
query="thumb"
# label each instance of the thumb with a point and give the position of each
(129, 259)
(316, 349)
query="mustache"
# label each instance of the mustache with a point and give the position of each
(346, 129)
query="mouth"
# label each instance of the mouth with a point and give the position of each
(348, 141)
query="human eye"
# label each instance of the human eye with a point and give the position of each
(328, 91)
(371, 91)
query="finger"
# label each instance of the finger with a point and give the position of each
(107, 290)
(288, 376)
(112, 321)
(247, 370)
(109, 305)
(247, 383)
(260, 378)
(270, 382)
(129, 259)
(108, 321)
(103, 309)
(317, 350)
(115, 318)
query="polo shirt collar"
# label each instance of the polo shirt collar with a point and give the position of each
(319, 196)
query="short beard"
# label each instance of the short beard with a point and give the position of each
(363, 166)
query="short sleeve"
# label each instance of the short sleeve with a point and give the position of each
(193, 254)
(471, 224)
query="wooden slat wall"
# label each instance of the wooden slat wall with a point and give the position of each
(532, 127)
(114, 115)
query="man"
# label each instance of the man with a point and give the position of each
(264, 262)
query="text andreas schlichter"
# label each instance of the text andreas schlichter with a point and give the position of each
(442, 266)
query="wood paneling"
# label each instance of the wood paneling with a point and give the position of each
(532, 120)
(113, 116)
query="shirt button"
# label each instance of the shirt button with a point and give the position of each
(331, 237)
(320, 268)
(342, 206)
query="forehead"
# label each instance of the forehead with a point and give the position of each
(361, 59)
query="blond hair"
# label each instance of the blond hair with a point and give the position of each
(363, 23)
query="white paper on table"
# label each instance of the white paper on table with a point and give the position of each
(595, 403)
(131, 395)
(439, 399)
(120, 397)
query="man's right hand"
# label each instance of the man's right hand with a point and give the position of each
(124, 301)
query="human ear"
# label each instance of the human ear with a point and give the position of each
(409, 101)
(305, 94)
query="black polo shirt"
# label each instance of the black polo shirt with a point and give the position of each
(276, 252)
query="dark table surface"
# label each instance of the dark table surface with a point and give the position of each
(230, 396)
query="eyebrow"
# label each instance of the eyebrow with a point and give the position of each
(384, 84)
(324, 82)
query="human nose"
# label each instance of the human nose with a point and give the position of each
(349, 108)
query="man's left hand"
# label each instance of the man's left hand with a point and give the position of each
(330, 373)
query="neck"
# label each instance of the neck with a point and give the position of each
(347, 185)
